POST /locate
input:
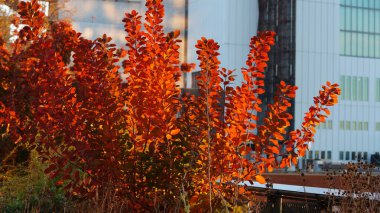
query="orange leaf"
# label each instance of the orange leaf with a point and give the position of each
(175, 131)
(241, 190)
(278, 136)
(260, 179)
(274, 149)
(270, 168)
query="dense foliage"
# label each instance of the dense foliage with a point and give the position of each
(142, 140)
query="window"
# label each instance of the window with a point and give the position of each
(378, 88)
(353, 156)
(194, 80)
(316, 155)
(377, 126)
(310, 154)
(360, 28)
(365, 125)
(365, 156)
(342, 86)
(328, 155)
(348, 125)
(326, 125)
(341, 155)
(360, 156)
(360, 126)
(347, 155)
(323, 156)
(329, 124)
(347, 95)
(365, 89)
(341, 124)
(354, 125)
(355, 88)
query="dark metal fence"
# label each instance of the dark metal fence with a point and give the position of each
(284, 201)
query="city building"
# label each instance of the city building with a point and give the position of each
(230, 23)
(339, 41)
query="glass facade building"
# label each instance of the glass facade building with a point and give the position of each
(360, 28)
(339, 41)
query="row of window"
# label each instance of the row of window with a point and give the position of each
(353, 156)
(324, 155)
(349, 125)
(326, 125)
(360, 28)
(359, 44)
(375, 4)
(354, 88)
(354, 125)
(359, 19)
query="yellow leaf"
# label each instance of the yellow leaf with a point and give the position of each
(260, 179)
(168, 136)
(218, 135)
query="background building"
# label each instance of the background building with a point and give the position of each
(339, 41)
(279, 16)
(230, 23)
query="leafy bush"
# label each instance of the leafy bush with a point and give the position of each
(141, 142)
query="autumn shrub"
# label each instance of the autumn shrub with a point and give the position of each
(142, 141)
